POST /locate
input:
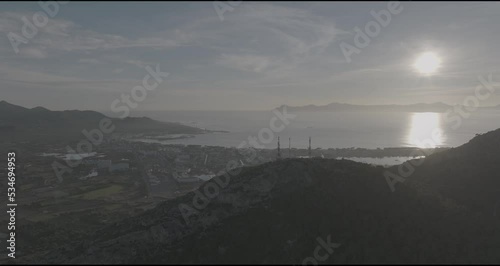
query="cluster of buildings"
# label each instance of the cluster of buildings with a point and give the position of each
(105, 165)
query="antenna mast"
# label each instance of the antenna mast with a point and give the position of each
(279, 151)
(310, 147)
(289, 148)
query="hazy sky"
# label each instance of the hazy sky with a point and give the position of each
(260, 56)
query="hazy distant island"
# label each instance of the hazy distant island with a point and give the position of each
(437, 107)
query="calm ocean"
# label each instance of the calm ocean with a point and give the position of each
(331, 129)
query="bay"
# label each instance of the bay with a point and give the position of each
(331, 129)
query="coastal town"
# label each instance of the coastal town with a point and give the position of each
(124, 177)
(138, 174)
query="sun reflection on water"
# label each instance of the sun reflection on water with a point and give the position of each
(425, 130)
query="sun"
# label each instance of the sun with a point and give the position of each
(427, 63)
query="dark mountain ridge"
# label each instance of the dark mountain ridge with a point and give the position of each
(17, 122)
(468, 174)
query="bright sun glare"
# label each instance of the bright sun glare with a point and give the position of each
(427, 63)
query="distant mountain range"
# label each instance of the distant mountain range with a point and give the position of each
(17, 122)
(418, 107)
(274, 213)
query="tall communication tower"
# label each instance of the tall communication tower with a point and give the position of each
(279, 151)
(309, 151)
(289, 148)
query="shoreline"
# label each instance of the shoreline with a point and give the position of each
(388, 152)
